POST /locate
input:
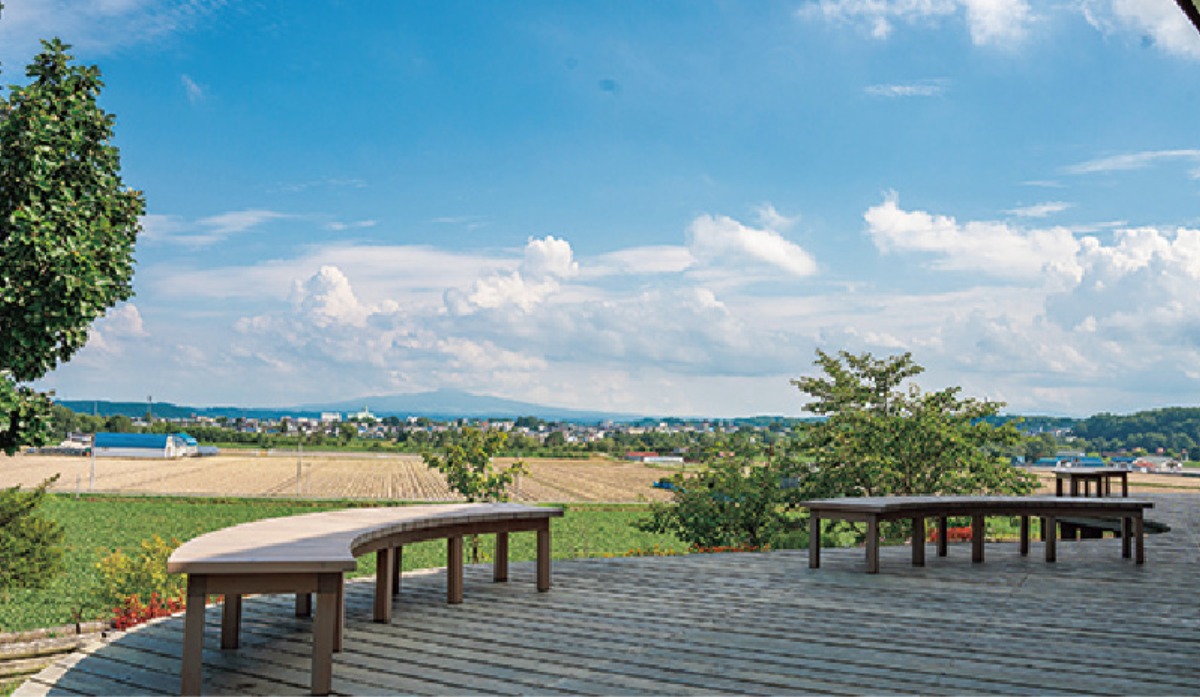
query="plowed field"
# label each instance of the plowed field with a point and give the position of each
(328, 475)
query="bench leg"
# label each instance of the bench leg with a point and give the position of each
(1126, 542)
(340, 626)
(943, 531)
(918, 541)
(193, 635)
(304, 605)
(1050, 531)
(231, 620)
(397, 569)
(1139, 535)
(814, 541)
(325, 630)
(873, 546)
(1024, 535)
(454, 570)
(977, 539)
(500, 558)
(384, 577)
(543, 558)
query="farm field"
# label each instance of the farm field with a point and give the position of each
(365, 476)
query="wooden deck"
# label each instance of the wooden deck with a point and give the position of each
(731, 623)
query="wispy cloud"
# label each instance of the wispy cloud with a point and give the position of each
(195, 93)
(470, 222)
(206, 231)
(94, 26)
(1136, 160)
(924, 88)
(326, 183)
(1040, 210)
(339, 226)
(997, 23)
(1160, 22)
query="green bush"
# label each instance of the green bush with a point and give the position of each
(142, 575)
(31, 545)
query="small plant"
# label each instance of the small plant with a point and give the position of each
(132, 612)
(124, 577)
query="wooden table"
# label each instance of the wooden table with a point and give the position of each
(873, 510)
(1102, 476)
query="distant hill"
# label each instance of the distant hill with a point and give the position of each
(438, 405)
(450, 404)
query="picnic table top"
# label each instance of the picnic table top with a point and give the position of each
(1087, 471)
(972, 504)
(327, 541)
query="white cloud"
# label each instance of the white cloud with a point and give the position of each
(1135, 160)
(930, 88)
(327, 300)
(547, 261)
(339, 226)
(1161, 21)
(720, 240)
(1040, 210)
(206, 231)
(998, 22)
(195, 93)
(1001, 23)
(992, 248)
(94, 26)
(662, 259)
(113, 332)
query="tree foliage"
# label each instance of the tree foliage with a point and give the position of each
(882, 436)
(31, 546)
(67, 229)
(467, 465)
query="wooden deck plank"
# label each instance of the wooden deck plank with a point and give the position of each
(1091, 623)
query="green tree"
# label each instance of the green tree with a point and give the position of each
(67, 230)
(467, 464)
(31, 545)
(882, 436)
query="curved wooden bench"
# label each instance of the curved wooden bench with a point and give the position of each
(308, 554)
(873, 509)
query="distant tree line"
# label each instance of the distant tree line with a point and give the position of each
(1173, 429)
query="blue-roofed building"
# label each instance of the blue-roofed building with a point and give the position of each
(149, 445)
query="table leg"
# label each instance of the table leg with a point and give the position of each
(304, 605)
(1126, 542)
(1050, 530)
(1139, 538)
(543, 558)
(454, 570)
(231, 620)
(193, 635)
(325, 631)
(943, 532)
(1024, 535)
(385, 575)
(1125, 484)
(977, 538)
(1074, 486)
(339, 626)
(873, 546)
(918, 541)
(814, 540)
(1057, 485)
(1042, 528)
(500, 558)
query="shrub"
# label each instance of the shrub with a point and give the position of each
(31, 545)
(144, 575)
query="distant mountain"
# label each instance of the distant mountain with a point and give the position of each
(438, 405)
(450, 404)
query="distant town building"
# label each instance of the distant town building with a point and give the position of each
(330, 417)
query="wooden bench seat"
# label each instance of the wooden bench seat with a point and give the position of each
(309, 554)
(872, 510)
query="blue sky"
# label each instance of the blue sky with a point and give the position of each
(658, 208)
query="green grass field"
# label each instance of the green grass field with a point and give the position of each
(97, 525)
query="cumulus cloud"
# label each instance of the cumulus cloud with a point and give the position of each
(1162, 22)
(112, 333)
(547, 261)
(327, 300)
(723, 240)
(988, 247)
(990, 22)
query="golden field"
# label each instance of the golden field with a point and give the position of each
(329, 475)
